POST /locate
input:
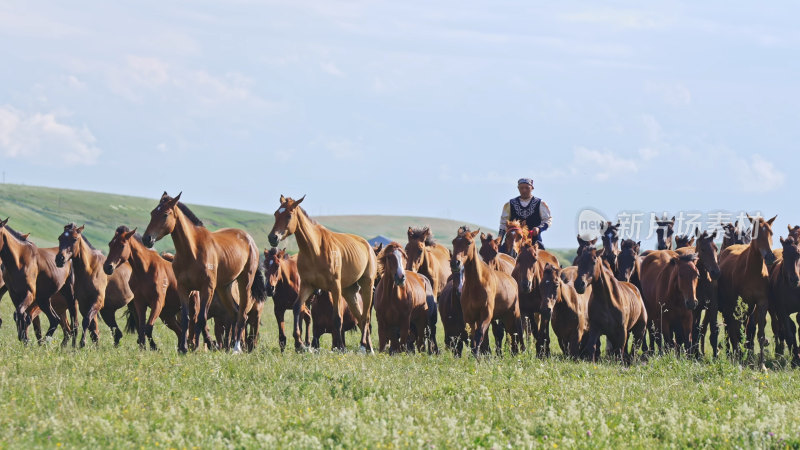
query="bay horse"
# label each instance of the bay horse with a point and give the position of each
(583, 244)
(96, 292)
(342, 264)
(684, 240)
(32, 280)
(669, 291)
(486, 295)
(152, 282)
(516, 234)
(707, 289)
(665, 232)
(615, 308)
(527, 275)
(490, 252)
(610, 240)
(427, 257)
(208, 262)
(566, 310)
(323, 317)
(744, 274)
(455, 331)
(629, 263)
(784, 280)
(283, 285)
(401, 299)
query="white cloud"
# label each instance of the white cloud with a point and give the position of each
(603, 164)
(648, 153)
(42, 139)
(755, 174)
(331, 69)
(162, 147)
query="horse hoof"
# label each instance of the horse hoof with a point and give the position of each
(237, 348)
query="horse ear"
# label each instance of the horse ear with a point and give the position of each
(129, 234)
(788, 227)
(80, 229)
(283, 199)
(3, 222)
(672, 220)
(164, 195)
(498, 240)
(750, 218)
(475, 233)
(25, 236)
(697, 232)
(772, 220)
(593, 242)
(177, 197)
(426, 231)
(483, 236)
(300, 201)
(782, 240)
(691, 241)
(410, 232)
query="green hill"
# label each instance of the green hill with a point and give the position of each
(43, 212)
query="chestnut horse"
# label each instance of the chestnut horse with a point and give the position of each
(208, 262)
(744, 274)
(708, 268)
(342, 264)
(669, 291)
(32, 279)
(490, 252)
(565, 309)
(615, 308)
(152, 282)
(684, 240)
(427, 257)
(96, 292)
(486, 295)
(516, 234)
(283, 285)
(527, 274)
(323, 317)
(401, 299)
(784, 280)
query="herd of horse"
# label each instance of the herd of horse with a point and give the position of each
(672, 295)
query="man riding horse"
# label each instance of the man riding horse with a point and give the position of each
(526, 208)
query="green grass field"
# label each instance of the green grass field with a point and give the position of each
(127, 398)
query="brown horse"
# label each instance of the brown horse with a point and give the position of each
(615, 308)
(455, 331)
(342, 264)
(152, 282)
(566, 310)
(784, 280)
(582, 245)
(208, 262)
(96, 292)
(323, 317)
(684, 240)
(665, 232)
(629, 263)
(486, 295)
(527, 274)
(610, 239)
(708, 268)
(516, 234)
(669, 291)
(490, 252)
(32, 279)
(401, 299)
(283, 285)
(744, 274)
(427, 257)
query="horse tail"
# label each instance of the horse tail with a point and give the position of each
(131, 323)
(259, 288)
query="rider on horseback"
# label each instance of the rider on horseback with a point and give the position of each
(532, 210)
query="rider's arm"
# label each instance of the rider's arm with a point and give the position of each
(544, 213)
(504, 215)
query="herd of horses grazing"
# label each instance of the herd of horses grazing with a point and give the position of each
(672, 295)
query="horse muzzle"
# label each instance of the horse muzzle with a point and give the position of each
(769, 258)
(715, 274)
(273, 239)
(270, 290)
(546, 313)
(455, 266)
(400, 281)
(60, 260)
(580, 286)
(108, 268)
(148, 240)
(525, 286)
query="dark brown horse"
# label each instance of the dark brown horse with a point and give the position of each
(96, 292)
(490, 252)
(784, 280)
(32, 279)
(615, 308)
(323, 317)
(629, 262)
(744, 274)
(208, 262)
(707, 290)
(665, 232)
(684, 240)
(527, 274)
(610, 239)
(401, 299)
(455, 331)
(486, 295)
(669, 291)
(342, 264)
(566, 310)
(427, 257)
(152, 282)
(582, 245)
(283, 285)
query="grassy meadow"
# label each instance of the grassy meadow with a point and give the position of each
(126, 398)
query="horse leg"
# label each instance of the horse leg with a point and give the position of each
(155, 312)
(297, 326)
(479, 335)
(279, 319)
(499, 334)
(364, 287)
(307, 320)
(761, 317)
(37, 328)
(338, 313)
(109, 318)
(206, 295)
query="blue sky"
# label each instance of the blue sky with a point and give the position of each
(412, 108)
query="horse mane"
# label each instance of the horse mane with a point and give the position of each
(418, 232)
(189, 214)
(463, 229)
(691, 257)
(17, 235)
(388, 250)
(124, 229)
